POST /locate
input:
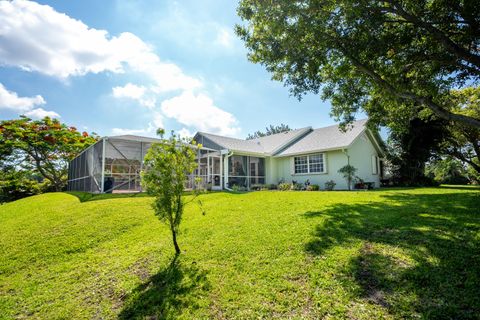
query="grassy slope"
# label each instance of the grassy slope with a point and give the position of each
(363, 255)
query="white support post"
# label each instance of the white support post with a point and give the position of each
(102, 183)
(221, 173)
(225, 171)
(208, 169)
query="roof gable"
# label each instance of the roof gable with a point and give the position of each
(267, 145)
(327, 138)
(299, 141)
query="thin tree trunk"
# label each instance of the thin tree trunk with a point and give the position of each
(175, 244)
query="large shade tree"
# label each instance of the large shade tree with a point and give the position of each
(389, 57)
(463, 142)
(41, 146)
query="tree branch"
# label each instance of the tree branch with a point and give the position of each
(437, 109)
(451, 46)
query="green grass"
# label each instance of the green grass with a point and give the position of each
(404, 253)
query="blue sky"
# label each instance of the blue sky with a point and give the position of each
(117, 67)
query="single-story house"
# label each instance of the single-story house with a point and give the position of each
(316, 155)
(299, 155)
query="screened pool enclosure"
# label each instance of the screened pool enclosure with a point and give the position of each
(113, 164)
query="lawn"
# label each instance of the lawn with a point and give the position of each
(405, 253)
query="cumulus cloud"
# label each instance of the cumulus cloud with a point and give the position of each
(134, 92)
(24, 105)
(185, 133)
(130, 90)
(10, 100)
(68, 47)
(198, 111)
(40, 113)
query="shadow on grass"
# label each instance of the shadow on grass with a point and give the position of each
(165, 294)
(433, 268)
(86, 196)
(460, 187)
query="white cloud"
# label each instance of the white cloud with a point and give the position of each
(40, 113)
(35, 37)
(224, 38)
(185, 133)
(121, 131)
(134, 92)
(198, 111)
(10, 100)
(157, 120)
(24, 105)
(130, 90)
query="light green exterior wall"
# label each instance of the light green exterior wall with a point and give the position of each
(360, 153)
(334, 161)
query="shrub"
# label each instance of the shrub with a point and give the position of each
(272, 187)
(237, 188)
(284, 186)
(258, 187)
(330, 185)
(18, 185)
(312, 187)
(348, 173)
(297, 186)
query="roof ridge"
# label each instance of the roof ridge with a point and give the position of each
(275, 134)
(337, 124)
(217, 135)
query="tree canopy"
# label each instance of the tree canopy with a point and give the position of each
(463, 142)
(390, 58)
(41, 146)
(269, 131)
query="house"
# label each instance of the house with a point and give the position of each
(316, 155)
(299, 155)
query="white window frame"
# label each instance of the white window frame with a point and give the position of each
(307, 156)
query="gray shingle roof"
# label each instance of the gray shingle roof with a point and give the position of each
(264, 145)
(322, 139)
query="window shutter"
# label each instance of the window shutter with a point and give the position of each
(292, 165)
(374, 165)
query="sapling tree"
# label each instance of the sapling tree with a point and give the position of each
(348, 171)
(168, 165)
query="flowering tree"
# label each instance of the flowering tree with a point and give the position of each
(42, 146)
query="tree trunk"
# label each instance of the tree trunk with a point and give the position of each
(175, 244)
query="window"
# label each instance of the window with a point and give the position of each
(313, 163)
(301, 164)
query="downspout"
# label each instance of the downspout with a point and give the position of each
(345, 151)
